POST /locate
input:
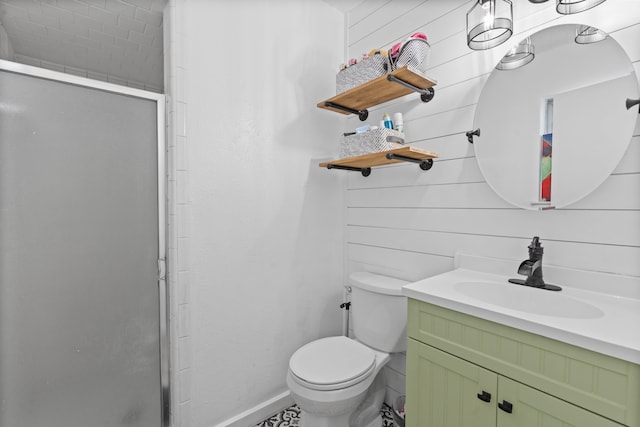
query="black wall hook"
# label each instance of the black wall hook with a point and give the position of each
(346, 305)
(631, 102)
(471, 133)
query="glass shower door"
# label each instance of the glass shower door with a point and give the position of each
(79, 248)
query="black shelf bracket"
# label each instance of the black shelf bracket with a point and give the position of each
(364, 171)
(426, 95)
(425, 165)
(471, 134)
(631, 102)
(362, 114)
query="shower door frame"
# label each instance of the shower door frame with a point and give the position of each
(163, 293)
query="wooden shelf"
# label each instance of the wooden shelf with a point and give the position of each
(385, 88)
(378, 91)
(365, 162)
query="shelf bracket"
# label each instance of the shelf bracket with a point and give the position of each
(426, 95)
(362, 114)
(425, 165)
(364, 171)
(471, 134)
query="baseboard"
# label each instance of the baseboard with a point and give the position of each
(260, 412)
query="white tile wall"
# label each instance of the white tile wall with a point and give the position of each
(6, 50)
(178, 218)
(408, 223)
(118, 38)
(84, 73)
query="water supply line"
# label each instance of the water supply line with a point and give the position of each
(346, 306)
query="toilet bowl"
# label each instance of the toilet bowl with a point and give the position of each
(329, 378)
(338, 381)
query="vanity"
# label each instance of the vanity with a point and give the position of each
(485, 352)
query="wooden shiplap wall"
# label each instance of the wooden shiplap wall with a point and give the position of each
(407, 223)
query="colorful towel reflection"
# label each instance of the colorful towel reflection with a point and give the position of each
(545, 167)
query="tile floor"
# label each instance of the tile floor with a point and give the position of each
(289, 418)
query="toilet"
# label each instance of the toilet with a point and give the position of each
(338, 381)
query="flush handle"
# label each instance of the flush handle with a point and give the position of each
(484, 396)
(506, 406)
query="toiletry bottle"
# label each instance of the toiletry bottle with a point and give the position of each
(398, 124)
(387, 121)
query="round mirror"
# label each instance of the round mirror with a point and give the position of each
(553, 118)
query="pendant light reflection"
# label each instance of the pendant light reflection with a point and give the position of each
(586, 34)
(567, 7)
(518, 56)
(489, 23)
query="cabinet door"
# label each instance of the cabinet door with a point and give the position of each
(533, 408)
(446, 391)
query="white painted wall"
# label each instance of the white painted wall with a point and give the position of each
(256, 225)
(6, 50)
(407, 223)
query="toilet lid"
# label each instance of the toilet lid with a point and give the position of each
(332, 361)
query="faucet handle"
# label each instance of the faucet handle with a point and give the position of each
(535, 242)
(535, 249)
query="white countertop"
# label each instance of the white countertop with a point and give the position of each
(608, 323)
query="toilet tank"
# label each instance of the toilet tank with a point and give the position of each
(379, 311)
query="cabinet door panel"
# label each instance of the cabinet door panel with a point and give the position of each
(442, 390)
(532, 408)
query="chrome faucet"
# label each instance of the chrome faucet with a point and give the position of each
(532, 268)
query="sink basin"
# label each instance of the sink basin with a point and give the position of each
(596, 311)
(527, 299)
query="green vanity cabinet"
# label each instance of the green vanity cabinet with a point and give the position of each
(442, 390)
(461, 368)
(533, 408)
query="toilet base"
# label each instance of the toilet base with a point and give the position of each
(309, 420)
(376, 422)
(366, 414)
(358, 405)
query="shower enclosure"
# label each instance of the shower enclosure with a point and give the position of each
(83, 321)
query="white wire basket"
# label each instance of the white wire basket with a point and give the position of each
(414, 54)
(372, 141)
(362, 72)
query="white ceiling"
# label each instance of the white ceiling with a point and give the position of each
(121, 39)
(116, 39)
(344, 5)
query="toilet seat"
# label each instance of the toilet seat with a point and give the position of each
(332, 363)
